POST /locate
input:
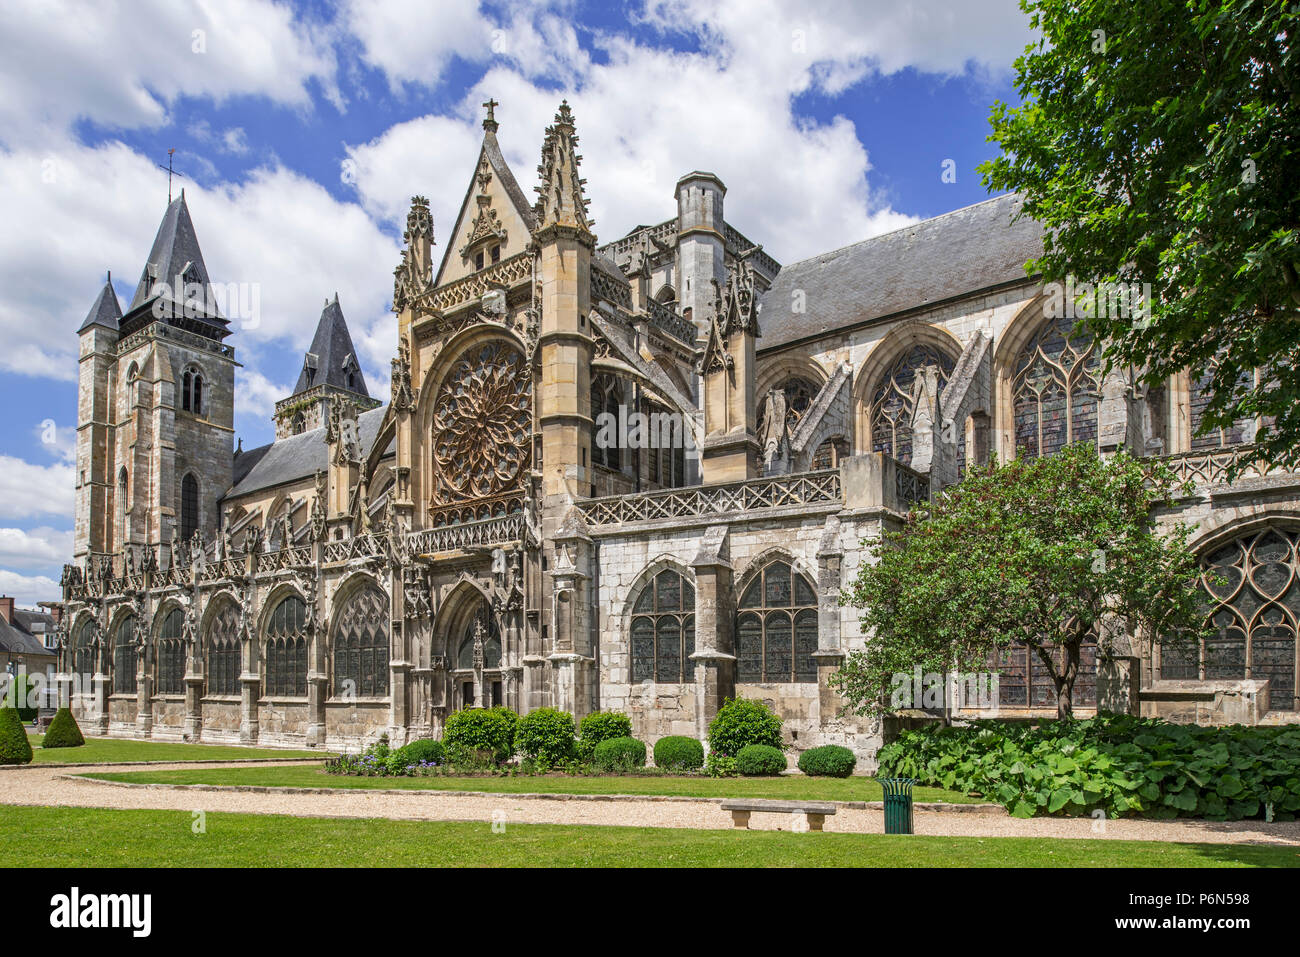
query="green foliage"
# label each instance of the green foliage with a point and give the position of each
(511, 718)
(601, 726)
(679, 753)
(14, 746)
(1164, 152)
(15, 690)
(829, 761)
(619, 754)
(1120, 764)
(63, 731)
(1035, 551)
(425, 750)
(760, 760)
(720, 766)
(479, 735)
(546, 736)
(741, 722)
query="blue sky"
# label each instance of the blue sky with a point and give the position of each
(303, 129)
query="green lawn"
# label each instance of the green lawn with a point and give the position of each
(91, 837)
(791, 787)
(120, 749)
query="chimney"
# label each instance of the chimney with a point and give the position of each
(7, 609)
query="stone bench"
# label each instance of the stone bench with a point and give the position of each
(815, 811)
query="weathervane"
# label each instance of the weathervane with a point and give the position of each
(170, 173)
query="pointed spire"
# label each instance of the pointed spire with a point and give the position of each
(561, 201)
(332, 360)
(175, 262)
(106, 311)
(414, 274)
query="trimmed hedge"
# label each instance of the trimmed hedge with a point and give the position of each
(1117, 763)
(63, 731)
(741, 722)
(678, 753)
(760, 760)
(829, 761)
(512, 719)
(619, 754)
(546, 736)
(14, 746)
(424, 750)
(17, 689)
(601, 726)
(479, 731)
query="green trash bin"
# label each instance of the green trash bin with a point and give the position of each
(898, 805)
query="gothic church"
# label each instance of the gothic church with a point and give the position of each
(480, 541)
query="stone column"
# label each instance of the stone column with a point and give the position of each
(250, 685)
(829, 653)
(572, 615)
(714, 657)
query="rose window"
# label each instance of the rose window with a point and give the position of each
(481, 424)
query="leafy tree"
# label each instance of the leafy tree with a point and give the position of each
(1042, 551)
(1157, 142)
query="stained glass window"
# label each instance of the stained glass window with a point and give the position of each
(663, 629)
(776, 627)
(1055, 389)
(124, 657)
(893, 402)
(286, 649)
(223, 651)
(799, 395)
(1253, 603)
(1242, 430)
(361, 645)
(171, 654)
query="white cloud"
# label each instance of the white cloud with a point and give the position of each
(122, 65)
(235, 141)
(28, 490)
(35, 548)
(413, 41)
(257, 395)
(27, 590)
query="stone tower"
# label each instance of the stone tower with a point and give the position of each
(701, 244)
(329, 369)
(156, 402)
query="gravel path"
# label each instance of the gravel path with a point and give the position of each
(50, 785)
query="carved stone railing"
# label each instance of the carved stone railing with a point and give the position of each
(505, 273)
(1212, 466)
(784, 491)
(370, 545)
(611, 289)
(296, 555)
(676, 326)
(910, 486)
(492, 531)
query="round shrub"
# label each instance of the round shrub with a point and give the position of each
(678, 753)
(619, 754)
(14, 747)
(830, 761)
(424, 750)
(546, 736)
(63, 731)
(758, 760)
(601, 726)
(511, 718)
(741, 722)
(477, 731)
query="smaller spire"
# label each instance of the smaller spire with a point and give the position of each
(106, 310)
(561, 199)
(490, 124)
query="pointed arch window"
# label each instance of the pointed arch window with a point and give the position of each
(1252, 590)
(124, 657)
(799, 394)
(606, 398)
(893, 401)
(223, 651)
(1241, 432)
(776, 627)
(663, 629)
(1055, 389)
(171, 654)
(361, 645)
(483, 624)
(83, 653)
(286, 649)
(189, 506)
(192, 391)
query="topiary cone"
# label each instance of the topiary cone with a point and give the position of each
(63, 731)
(14, 747)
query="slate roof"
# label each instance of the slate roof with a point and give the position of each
(175, 248)
(296, 456)
(106, 311)
(17, 640)
(928, 262)
(331, 348)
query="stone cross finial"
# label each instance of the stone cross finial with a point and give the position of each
(490, 123)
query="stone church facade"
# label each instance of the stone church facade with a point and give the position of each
(631, 476)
